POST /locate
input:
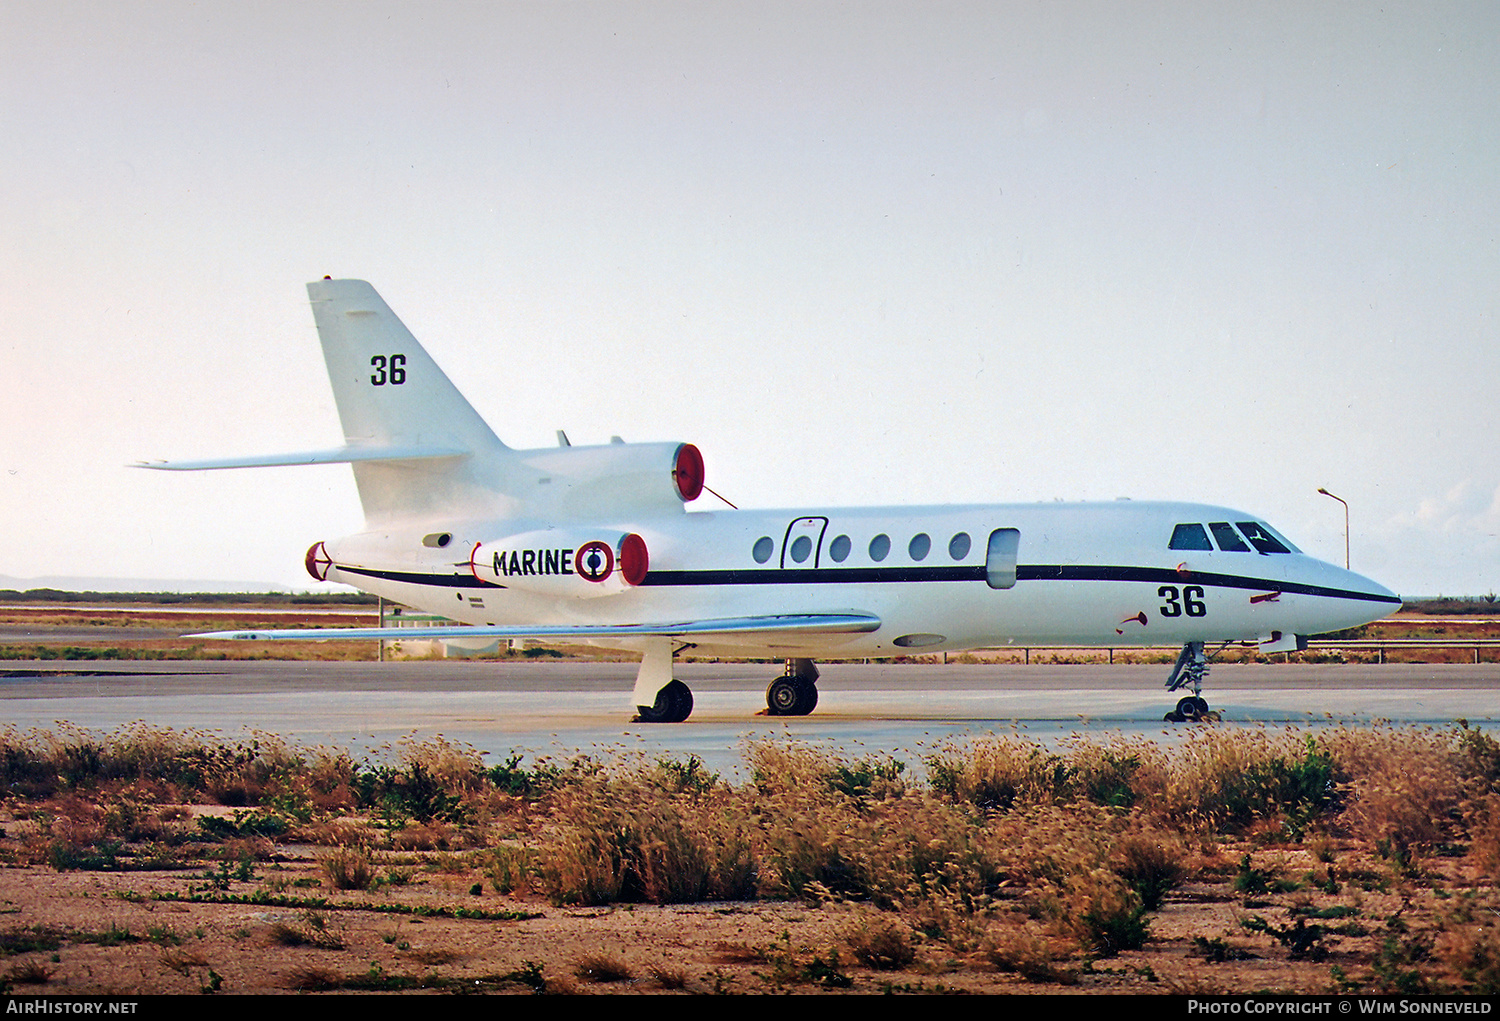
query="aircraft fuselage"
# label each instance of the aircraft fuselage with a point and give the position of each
(937, 578)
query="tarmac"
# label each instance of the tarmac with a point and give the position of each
(558, 710)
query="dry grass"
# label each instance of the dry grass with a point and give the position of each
(349, 868)
(602, 968)
(1029, 857)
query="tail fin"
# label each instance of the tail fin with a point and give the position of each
(391, 396)
(422, 455)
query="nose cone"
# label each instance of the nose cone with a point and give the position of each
(1356, 599)
(1364, 588)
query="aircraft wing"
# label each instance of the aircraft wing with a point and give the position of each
(335, 455)
(771, 624)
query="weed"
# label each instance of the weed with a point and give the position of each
(995, 775)
(116, 935)
(868, 778)
(103, 857)
(314, 979)
(1102, 912)
(29, 940)
(1395, 966)
(314, 932)
(826, 973)
(1472, 951)
(30, 973)
(1029, 952)
(510, 778)
(878, 941)
(529, 975)
(686, 776)
(1217, 950)
(667, 977)
(163, 936)
(1150, 865)
(1251, 880)
(603, 968)
(1302, 941)
(348, 868)
(510, 868)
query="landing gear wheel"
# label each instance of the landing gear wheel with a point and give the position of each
(674, 703)
(791, 696)
(1190, 709)
(1189, 672)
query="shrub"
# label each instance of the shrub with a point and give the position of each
(878, 941)
(630, 840)
(1102, 912)
(997, 774)
(1406, 787)
(348, 868)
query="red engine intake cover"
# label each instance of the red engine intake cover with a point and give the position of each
(318, 562)
(687, 471)
(634, 560)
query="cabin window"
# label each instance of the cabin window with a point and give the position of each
(763, 549)
(801, 548)
(958, 546)
(919, 546)
(839, 549)
(1261, 538)
(880, 547)
(1228, 539)
(1190, 536)
(1000, 558)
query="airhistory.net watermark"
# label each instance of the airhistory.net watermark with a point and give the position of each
(25, 1006)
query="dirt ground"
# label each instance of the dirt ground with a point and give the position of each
(279, 928)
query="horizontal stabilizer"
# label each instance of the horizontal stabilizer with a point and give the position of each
(335, 455)
(806, 624)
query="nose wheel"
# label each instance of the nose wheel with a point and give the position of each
(1189, 672)
(1188, 709)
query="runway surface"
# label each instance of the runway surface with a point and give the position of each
(559, 709)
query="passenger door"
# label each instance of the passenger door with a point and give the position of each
(803, 545)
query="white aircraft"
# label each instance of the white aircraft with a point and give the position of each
(595, 545)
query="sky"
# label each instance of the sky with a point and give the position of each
(859, 253)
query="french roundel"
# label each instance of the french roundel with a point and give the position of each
(594, 561)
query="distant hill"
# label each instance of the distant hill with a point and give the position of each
(84, 584)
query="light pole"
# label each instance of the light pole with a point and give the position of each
(1346, 522)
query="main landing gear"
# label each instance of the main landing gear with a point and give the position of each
(659, 698)
(674, 703)
(795, 692)
(1190, 670)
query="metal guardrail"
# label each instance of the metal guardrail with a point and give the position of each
(1379, 645)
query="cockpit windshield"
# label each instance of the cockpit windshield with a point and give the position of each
(1230, 538)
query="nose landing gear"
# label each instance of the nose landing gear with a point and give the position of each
(1189, 672)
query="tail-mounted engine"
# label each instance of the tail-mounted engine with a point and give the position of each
(628, 478)
(580, 563)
